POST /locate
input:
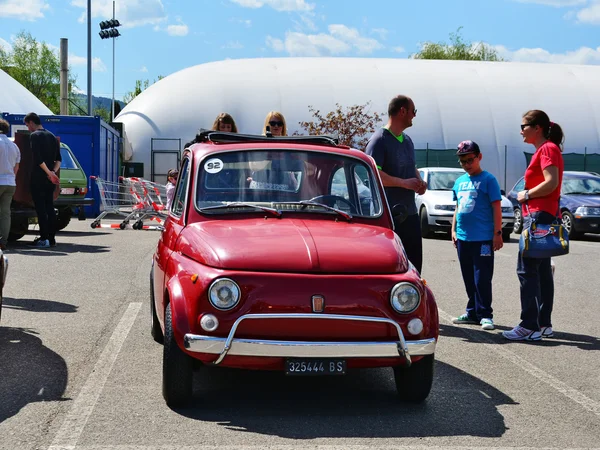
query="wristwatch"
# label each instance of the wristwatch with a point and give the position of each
(498, 233)
(527, 194)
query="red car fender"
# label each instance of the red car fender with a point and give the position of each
(178, 307)
(434, 321)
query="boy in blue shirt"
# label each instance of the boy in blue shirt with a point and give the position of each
(476, 233)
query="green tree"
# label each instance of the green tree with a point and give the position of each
(140, 86)
(102, 112)
(352, 125)
(457, 49)
(37, 67)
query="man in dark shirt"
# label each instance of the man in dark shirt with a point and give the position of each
(394, 154)
(46, 161)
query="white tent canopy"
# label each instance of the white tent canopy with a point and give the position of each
(15, 99)
(456, 100)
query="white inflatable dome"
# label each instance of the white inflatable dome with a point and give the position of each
(456, 100)
(15, 99)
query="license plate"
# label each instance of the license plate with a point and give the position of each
(67, 191)
(311, 366)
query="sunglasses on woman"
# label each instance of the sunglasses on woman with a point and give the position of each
(524, 125)
(275, 123)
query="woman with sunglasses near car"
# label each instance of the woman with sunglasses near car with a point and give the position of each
(276, 122)
(543, 179)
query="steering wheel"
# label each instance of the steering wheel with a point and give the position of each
(330, 200)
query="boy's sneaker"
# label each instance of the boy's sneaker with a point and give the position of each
(487, 324)
(519, 333)
(547, 332)
(42, 243)
(465, 320)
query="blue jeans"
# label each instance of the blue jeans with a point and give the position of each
(537, 283)
(409, 232)
(477, 267)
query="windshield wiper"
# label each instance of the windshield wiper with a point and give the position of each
(306, 203)
(272, 211)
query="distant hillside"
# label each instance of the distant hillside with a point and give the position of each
(97, 102)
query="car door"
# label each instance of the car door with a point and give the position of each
(168, 239)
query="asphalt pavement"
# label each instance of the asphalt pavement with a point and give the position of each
(79, 369)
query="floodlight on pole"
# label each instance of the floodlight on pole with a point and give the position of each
(109, 31)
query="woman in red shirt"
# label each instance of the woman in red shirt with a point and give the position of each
(543, 179)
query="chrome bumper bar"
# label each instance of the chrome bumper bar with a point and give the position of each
(307, 349)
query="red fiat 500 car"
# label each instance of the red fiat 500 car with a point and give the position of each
(274, 257)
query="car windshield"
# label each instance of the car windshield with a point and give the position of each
(581, 185)
(300, 181)
(67, 160)
(442, 180)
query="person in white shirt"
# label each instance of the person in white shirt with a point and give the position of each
(10, 157)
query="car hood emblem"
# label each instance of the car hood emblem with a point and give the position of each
(318, 303)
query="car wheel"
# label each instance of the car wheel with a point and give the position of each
(155, 329)
(518, 225)
(425, 229)
(177, 368)
(414, 382)
(506, 235)
(569, 224)
(63, 218)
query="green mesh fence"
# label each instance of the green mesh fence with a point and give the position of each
(436, 157)
(577, 161)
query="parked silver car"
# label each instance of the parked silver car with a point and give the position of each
(436, 206)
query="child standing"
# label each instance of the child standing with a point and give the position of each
(476, 233)
(172, 175)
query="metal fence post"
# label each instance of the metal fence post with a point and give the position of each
(427, 155)
(505, 164)
(584, 159)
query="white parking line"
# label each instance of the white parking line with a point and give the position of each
(72, 427)
(573, 394)
(306, 446)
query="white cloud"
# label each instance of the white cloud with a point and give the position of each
(591, 14)
(29, 10)
(178, 30)
(144, 69)
(98, 65)
(381, 32)
(398, 49)
(583, 55)
(555, 3)
(246, 22)
(340, 40)
(131, 13)
(277, 5)
(234, 45)
(6, 46)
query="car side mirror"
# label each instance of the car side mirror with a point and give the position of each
(399, 213)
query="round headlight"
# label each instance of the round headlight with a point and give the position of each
(224, 294)
(405, 298)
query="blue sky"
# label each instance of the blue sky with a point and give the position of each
(160, 37)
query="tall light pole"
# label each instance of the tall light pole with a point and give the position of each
(109, 31)
(89, 56)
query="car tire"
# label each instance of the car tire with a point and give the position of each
(518, 225)
(177, 368)
(63, 218)
(569, 223)
(425, 229)
(155, 330)
(414, 383)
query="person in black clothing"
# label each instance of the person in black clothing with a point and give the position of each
(46, 156)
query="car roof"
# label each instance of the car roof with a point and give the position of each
(579, 174)
(217, 142)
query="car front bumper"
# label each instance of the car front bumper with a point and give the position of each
(308, 349)
(444, 221)
(587, 224)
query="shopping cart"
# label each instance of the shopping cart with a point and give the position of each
(116, 199)
(149, 199)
